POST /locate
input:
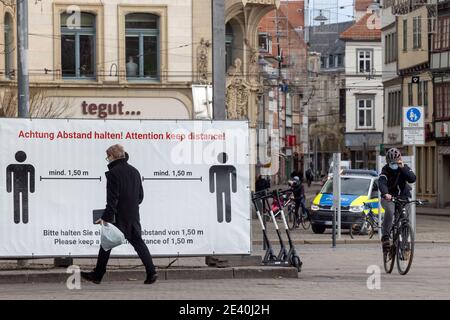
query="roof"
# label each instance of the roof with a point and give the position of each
(293, 11)
(325, 38)
(360, 31)
(362, 5)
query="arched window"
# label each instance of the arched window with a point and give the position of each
(142, 46)
(9, 46)
(229, 39)
(78, 45)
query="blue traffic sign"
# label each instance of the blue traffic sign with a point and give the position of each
(414, 115)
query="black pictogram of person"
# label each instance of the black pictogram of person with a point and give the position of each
(24, 182)
(222, 185)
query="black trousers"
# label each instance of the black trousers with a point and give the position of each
(139, 246)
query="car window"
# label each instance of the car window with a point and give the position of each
(350, 186)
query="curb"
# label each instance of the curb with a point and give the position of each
(345, 241)
(60, 276)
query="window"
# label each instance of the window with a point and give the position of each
(443, 101)
(78, 47)
(229, 39)
(410, 94)
(323, 62)
(340, 60)
(331, 61)
(265, 43)
(9, 47)
(417, 33)
(364, 61)
(441, 39)
(405, 35)
(390, 54)
(365, 112)
(142, 46)
(394, 108)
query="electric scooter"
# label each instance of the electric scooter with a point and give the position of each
(270, 256)
(292, 255)
(283, 254)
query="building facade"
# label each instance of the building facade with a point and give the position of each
(414, 30)
(283, 68)
(364, 98)
(327, 94)
(132, 59)
(392, 83)
(440, 68)
(117, 59)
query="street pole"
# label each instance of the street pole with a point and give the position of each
(22, 59)
(23, 83)
(219, 85)
(336, 197)
(278, 95)
(414, 193)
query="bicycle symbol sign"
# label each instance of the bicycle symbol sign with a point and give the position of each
(414, 115)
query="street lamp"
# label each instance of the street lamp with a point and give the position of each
(321, 18)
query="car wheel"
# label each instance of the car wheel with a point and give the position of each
(318, 229)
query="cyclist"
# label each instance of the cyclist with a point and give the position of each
(393, 182)
(299, 197)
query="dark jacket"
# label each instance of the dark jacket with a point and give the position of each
(124, 194)
(395, 182)
(298, 190)
(262, 184)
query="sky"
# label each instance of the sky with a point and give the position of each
(331, 11)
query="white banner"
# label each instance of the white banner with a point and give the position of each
(195, 178)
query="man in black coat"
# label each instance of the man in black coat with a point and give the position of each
(393, 182)
(124, 195)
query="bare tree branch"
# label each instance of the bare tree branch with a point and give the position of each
(41, 105)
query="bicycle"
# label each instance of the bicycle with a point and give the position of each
(368, 226)
(402, 237)
(302, 219)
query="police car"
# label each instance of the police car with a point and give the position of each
(358, 187)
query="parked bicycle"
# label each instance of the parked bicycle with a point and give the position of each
(402, 238)
(368, 226)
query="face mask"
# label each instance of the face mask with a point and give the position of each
(393, 166)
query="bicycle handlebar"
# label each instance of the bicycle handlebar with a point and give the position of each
(407, 201)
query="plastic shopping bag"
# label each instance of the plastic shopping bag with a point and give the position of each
(111, 237)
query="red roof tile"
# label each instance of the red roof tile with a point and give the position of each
(362, 5)
(364, 30)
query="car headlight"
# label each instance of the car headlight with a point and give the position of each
(315, 208)
(356, 209)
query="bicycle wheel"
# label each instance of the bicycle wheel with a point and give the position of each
(306, 222)
(360, 230)
(294, 223)
(354, 230)
(405, 249)
(389, 258)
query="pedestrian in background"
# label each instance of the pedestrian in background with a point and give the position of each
(124, 194)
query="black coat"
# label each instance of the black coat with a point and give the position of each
(124, 194)
(298, 190)
(394, 182)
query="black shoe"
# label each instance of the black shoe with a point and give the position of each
(151, 279)
(91, 277)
